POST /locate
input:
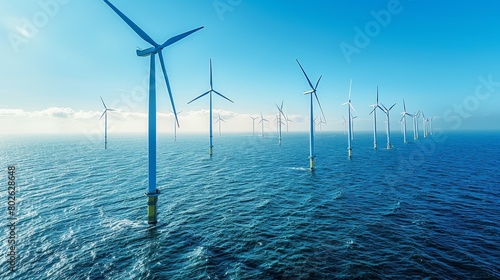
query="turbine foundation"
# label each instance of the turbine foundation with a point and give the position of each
(210, 150)
(349, 152)
(152, 207)
(311, 163)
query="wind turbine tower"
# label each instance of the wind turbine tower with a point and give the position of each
(312, 92)
(210, 148)
(253, 124)
(349, 121)
(374, 112)
(105, 114)
(156, 49)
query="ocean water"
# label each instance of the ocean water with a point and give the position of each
(426, 210)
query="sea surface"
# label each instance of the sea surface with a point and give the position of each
(429, 209)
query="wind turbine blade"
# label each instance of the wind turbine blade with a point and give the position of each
(317, 83)
(352, 107)
(112, 110)
(103, 103)
(168, 87)
(392, 106)
(223, 96)
(199, 96)
(350, 86)
(317, 99)
(211, 83)
(130, 23)
(404, 105)
(179, 37)
(385, 109)
(103, 113)
(374, 108)
(309, 81)
(377, 95)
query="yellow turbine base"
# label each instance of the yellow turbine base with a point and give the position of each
(311, 163)
(152, 213)
(210, 150)
(349, 152)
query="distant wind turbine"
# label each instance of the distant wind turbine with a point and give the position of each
(374, 112)
(352, 126)
(415, 125)
(403, 120)
(219, 120)
(210, 110)
(105, 114)
(430, 125)
(287, 120)
(386, 111)
(424, 124)
(349, 121)
(280, 123)
(312, 92)
(175, 125)
(156, 48)
(262, 120)
(253, 124)
(344, 123)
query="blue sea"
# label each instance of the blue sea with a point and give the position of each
(429, 209)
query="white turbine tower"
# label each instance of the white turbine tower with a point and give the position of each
(403, 120)
(287, 120)
(105, 114)
(374, 112)
(156, 49)
(430, 125)
(349, 121)
(386, 111)
(415, 125)
(312, 92)
(253, 124)
(424, 124)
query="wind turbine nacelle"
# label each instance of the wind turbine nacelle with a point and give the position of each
(308, 92)
(146, 52)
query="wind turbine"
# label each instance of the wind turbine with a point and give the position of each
(175, 125)
(253, 124)
(210, 110)
(262, 120)
(386, 111)
(424, 124)
(152, 192)
(374, 112)
(219, 120)
(344, 123)
(415, 125)
(105, 114)
(430, 125)
(280, 113)
(352, 126)
(311, 120)
(286, 121)
(349, 123)
(403, 120)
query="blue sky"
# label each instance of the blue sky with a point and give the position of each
(59, 56)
